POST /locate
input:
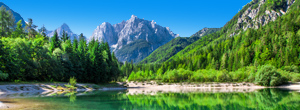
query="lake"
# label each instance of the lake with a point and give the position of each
(270, 99)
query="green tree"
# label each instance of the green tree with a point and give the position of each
(6, 21)
(55, 42)
(30, 27)
(65, 36)
(43, 31)
(223, 61)
(19, 31)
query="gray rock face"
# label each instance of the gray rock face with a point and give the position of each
(60, 30)
(16, 15)
(126, 32)
(290, 2)
(205, 31)
(251, 19)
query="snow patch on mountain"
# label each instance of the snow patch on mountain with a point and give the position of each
(121, 34)
(125, 32)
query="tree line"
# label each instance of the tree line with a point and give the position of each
(29, 55)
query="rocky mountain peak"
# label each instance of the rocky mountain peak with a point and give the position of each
(133, 17)
(134, 29)
(257, 14)
(63, 27)
(205, 31)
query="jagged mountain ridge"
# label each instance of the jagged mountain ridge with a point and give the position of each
(16, 15)
(66, 28)
(205, 31)
(127, 32)
(258, 13)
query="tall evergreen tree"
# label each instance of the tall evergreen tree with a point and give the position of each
(30, 27)
(6, 21)
(55, 42)
(65, 36)
(19, 31)
(43, 31)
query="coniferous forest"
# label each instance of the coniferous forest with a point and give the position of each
(29, 55)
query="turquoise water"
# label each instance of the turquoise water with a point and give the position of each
(270, 99)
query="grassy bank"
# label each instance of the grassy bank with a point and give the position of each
(265, 75)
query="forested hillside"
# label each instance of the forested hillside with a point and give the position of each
(28, 55)
(168, 50)
(239, 54)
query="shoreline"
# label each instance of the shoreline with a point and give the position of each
(153, 87)
(49, 88)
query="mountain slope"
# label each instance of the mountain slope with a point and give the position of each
(223, 45)
(17, 16)
(240, 55)
(166, 51)
(232, 27)
(127, 32)
(66, 28)
(206, 31)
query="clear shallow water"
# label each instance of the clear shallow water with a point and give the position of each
(273, 99)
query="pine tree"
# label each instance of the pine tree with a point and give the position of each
(65, 36)
(6, 21)
(19, 31)
(55, 42)
(43, 31)
(30, 27)
(223, 61)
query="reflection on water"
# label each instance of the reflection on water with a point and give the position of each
(115, 100)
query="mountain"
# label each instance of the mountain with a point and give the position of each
(133, 39)
(261, 48)
(166, 51)
(206, 31)
(66, 28)
(248, 39)
(17, 16)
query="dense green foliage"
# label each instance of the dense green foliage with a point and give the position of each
(276, 43)
(268, 76)
(166, 51)
(264, 75)
(30, 56)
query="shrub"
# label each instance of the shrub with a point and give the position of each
(296, 78)
(176, 75)
(268, 76)
(131, 76)
(292, 68)
(3, 75)
(223, 76)
(73, 81)
(244, 74)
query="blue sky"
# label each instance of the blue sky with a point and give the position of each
(184, 17)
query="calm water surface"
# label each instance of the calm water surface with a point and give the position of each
(269, 99)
